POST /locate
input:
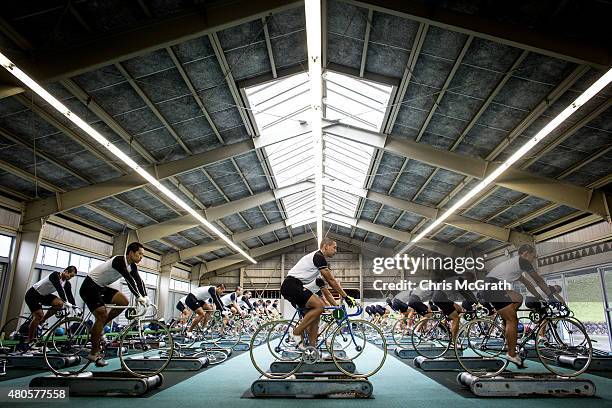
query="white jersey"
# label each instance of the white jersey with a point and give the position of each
(308, 268)
(509, 270)
(183, 299)
(203, 292)
(114, 269)
(228, 299)
(46, 287)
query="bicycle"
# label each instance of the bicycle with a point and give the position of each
(17, 338)
(345, 342)
(144, 333)
(563, 335)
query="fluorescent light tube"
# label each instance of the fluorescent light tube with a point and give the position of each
(545, 131)
(50, 99)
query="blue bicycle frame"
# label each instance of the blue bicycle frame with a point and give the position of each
(339, 321)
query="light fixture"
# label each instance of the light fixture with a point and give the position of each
(546, 130)
(51, 100)
(313, 39)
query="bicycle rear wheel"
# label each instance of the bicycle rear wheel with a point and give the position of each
(485, 339)
(402, 332)
(279, 347)
(73, 342)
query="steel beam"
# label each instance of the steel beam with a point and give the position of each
(366, 40)
(264, 22)
(85, 142)
(445, 86)
(81, 196)
(172, 226)
(120, 46)
(101, 113)
(530, 39)
(197, 250)
(468, 224)
(211, 266)
(231, 83)
(519, 180)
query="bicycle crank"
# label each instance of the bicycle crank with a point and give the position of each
(310, 355)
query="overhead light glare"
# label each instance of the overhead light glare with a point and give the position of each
(545, 131)
(51, 100)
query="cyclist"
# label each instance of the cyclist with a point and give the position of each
(444, 299)
(198, 300)
(96, 293)
(300, 287)
(230, 301)
(507, 302)
(41, 293)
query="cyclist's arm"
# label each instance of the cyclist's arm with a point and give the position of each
(215, 298)
(68, 290)
(329, 297)
(246, 300)
(529, 286)
(329, 278)
(133, 280)
(54, 278)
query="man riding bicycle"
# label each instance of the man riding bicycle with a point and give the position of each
(300, 288)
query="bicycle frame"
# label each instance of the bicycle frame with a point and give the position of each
(300, 312)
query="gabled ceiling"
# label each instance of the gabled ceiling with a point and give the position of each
(167, 86)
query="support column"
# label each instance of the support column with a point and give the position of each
(361, 298)
(121, 241)
(241, 278)
(163, 288)
(27, 246)
(282, 276)
(194, 278)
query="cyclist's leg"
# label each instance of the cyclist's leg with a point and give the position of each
(116, 298)
(55, 303)
(208, 311)
(315, 308)
(33, 300)
(196, 320)
(313, 333)
(507, 311)
(455, 320)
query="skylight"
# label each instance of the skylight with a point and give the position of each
(277, 105)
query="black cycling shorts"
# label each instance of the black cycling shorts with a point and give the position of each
(415, 302)
(499, 298)
(180, 306)
(293, 290)
(35, 300)
(95, 296)
(440, 299)
(194, 303)
(399, 306)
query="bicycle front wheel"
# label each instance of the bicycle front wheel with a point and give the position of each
(358, 357)
(431, 338)
(154, 341)
(564, 336)
(402, 332)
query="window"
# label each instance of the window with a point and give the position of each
(5, 246)
(179, 286)
(81, 262)
(55, 257)
(281, 106)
